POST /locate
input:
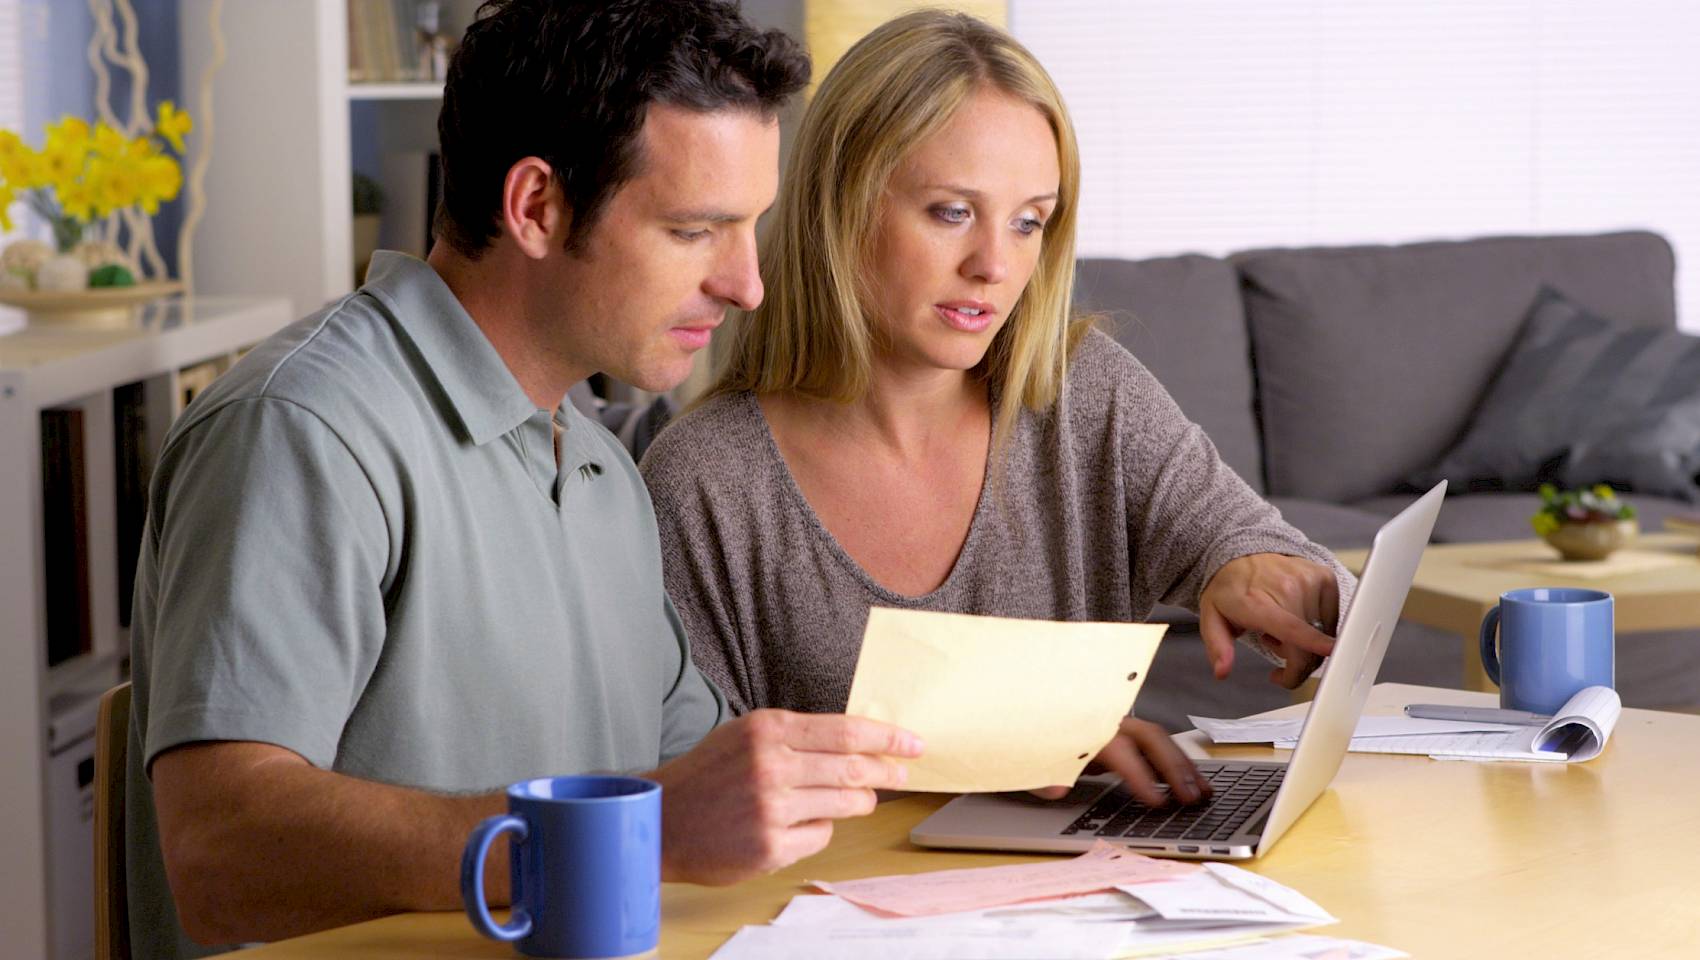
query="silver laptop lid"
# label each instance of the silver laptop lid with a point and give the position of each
(1358, 651)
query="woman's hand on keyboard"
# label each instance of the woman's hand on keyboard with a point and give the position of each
(1144, 755)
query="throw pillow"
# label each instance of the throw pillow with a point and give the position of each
(1581, 400)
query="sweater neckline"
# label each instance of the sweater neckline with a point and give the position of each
(776, 462)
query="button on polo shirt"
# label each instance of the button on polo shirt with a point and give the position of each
(361, 547)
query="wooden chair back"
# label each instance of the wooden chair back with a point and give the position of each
(111, 898)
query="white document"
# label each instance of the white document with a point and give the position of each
(831, 910)
(927, 939)
(1225, 894)
(1216, 907)
(1299, 946)
(1261, 730)
(1576, 733)
(934, 938)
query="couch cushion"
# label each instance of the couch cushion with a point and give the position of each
(1370, 359)
(1505, 516)
(1330, 524)
(1581, 400)
(1181, 316)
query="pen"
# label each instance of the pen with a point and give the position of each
(1441, 711)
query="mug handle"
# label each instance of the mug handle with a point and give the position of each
(472, 878)
(1490, 656)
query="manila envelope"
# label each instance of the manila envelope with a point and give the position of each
(1000, 704)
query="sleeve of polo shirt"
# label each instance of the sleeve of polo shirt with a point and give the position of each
(694, 706)
(272, 548)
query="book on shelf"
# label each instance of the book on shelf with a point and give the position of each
(131, 461)
(396, 41)
(372, 51)
(191, 380)
(65, 536)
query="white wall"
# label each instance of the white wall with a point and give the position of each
(1217, 125)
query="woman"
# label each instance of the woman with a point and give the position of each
(913, 419)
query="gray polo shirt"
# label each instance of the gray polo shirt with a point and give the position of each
(360, 547)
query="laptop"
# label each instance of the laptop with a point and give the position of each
(1254, 803)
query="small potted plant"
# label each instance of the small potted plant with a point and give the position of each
(1583, 524)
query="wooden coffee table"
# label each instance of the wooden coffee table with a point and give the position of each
(1654, 582)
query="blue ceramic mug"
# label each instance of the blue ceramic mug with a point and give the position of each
(1553, 641)
(586, 867)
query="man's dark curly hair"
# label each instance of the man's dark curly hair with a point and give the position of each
(570, 82)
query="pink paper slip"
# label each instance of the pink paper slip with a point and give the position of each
(948, 891)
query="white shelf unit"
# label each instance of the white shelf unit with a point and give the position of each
(279, 213)
(48, 368)
(395, 91)
(279, 190)
(278, 219)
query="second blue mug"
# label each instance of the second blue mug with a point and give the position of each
(1553, 641)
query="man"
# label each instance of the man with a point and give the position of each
(388, 570)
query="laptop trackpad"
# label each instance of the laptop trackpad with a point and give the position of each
(1083, 791)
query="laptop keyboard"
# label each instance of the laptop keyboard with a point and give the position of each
(1238, 792)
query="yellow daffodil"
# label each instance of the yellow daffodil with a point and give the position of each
(113, 185)
(14, 158)
(6, 197)
(158, 179)
(61, 163)
(76, 200)
(70, 134)
(108, 142)
(86, 171)
(173, 124)
(20, 165)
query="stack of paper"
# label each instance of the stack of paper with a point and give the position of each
(1370, 733)
(1576, 733)
(1299, 946)
(1104, 867)
(1139, 907)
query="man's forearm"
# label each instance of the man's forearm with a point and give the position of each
(284, 849)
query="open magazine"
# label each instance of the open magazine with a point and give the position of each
(1576, 733)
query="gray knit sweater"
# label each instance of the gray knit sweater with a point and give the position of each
(1109, 504)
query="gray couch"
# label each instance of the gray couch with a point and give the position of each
(1328, 376)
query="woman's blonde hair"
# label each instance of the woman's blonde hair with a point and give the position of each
(897, 86)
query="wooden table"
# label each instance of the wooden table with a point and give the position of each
(1438, 858)
(1458, 583)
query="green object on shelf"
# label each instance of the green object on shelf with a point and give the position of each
(368, 196)
(112, 275)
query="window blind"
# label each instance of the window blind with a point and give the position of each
(12, 82)
(1216, 125)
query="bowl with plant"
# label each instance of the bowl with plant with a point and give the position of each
(1584, 524)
